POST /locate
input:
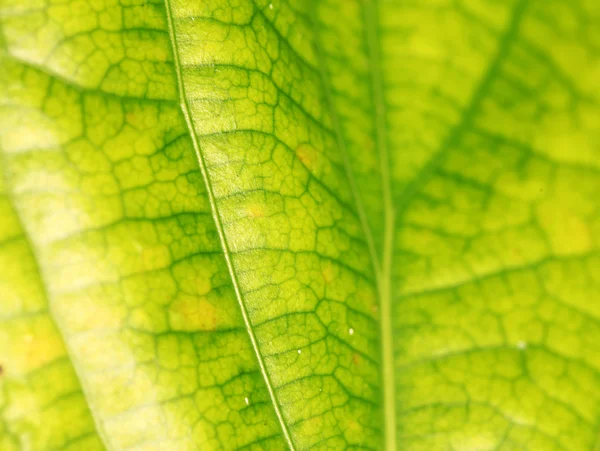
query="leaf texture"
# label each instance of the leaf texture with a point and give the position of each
(298, 224)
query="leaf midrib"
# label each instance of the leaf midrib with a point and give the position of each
(219, 226)
(425, 173)
(385, 279)
(383, 268)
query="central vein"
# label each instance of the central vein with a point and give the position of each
(385, 276)
(382, 267)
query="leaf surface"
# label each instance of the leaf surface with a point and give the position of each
(329, 225)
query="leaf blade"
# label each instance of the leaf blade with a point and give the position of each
(289, 102)
(110, 192)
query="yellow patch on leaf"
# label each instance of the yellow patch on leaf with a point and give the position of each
(255, 211)
(328, 273)
(192, 313)
(308, 155)
(30, 348)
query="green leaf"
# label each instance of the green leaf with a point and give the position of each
(337, 224)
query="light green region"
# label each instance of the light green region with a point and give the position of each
(290, 224)
(41, 402)
(103, 176)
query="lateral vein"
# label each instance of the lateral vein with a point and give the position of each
(339, 135)
(220, 230)
(469, 112)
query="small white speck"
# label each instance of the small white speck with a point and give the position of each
(521, 344)
(28, 338)
(351, 331)
(299, 351)
(270, 5)
(247, 401)
(320, 389)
